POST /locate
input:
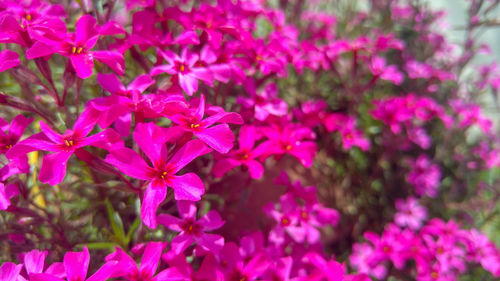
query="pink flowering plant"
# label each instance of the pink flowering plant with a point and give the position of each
(246, 140)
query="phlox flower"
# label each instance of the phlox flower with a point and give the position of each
(125, 267)
(8, 59)
(10, 272)
(163, 172)
(410, 213)
(193, 230)
(54, 165)
(184, 68)
(424, 176)
(246, 155)
(76, 265)
(77, 47)
(290, 138)
(192, 121)
(7, 191)
(264, 103)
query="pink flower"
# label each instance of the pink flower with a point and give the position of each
(265, 103)
(410, 213)
(126, 267)
(290, 138)
(424, 176)
(76, 265)
(77, 47)
(163, 173)
(7, 191)
(192, 230)
(390, 73)
(53, 167)
(219, 137)
(8, 59)
(246, 155)
(10, 272)
(329, 270)
(185, 70)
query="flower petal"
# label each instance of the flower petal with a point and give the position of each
(114, 60)
(188, 153)
(212, 220)
(53, 167)
(218, 137)
(110, 83)
(83, 64)
(210, 242)
(170, 222)
(8, 59)
(153, 197)
(77, 264)
(151, 257)
(129, 162)
(187, 187)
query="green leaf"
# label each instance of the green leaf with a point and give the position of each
(98, 245)
(132, 229)
(116, 222)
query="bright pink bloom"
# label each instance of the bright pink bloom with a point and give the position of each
(424, 176)
(390, 73)
(180, 269)
(76, 265)
(126, 267)
(163, 173)
(77, 47)
(9, 136)
(346, 125)
(219, 137)
(410, 213)
(185, 70)
(10, 272)
(192, 230)
(290, 138)
(246, 155)
(53, 167)
(8, 59)
(327, 270)
(7, 191)
(264, 103)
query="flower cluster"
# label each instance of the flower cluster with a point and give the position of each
(242, 140)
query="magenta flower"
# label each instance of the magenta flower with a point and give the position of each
(10, 134)
(324, 270)
(380, 70)
(185, 70)
(7, 191)
(180, 269)
(246, 155)
(410, 213)
(8, 59)
(251, 269)
(121, 103)
(290, 138)
(10, 272)
(53, 167)
(76, 265)
(265, 103)
(346, 125)
(424, 176)
(213, 22)
(192, 230)
(34, 263)
(127, 268)
(219, 137)
(163, 171)
(77, 47)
